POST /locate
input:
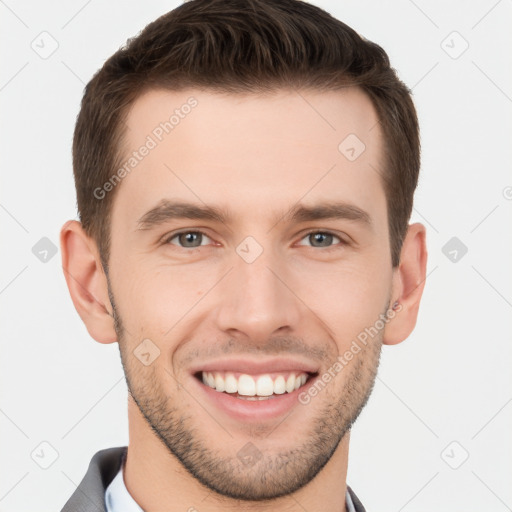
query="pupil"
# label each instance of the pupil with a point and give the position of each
(190, 237)
(319, 237)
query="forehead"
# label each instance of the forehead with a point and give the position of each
(250, 150)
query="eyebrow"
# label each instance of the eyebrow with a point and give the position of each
(167, 210)
(329, 210)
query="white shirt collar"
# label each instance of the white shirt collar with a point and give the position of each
(118, 499)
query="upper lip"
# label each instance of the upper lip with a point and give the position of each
(253, 366)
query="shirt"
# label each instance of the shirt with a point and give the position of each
(118, 499)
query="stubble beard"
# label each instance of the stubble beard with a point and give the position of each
(275, 473)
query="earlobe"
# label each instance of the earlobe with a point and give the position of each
(409, 282)
(87, 282)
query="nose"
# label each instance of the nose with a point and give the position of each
(257, 299)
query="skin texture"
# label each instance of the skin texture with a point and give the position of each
(254, 157)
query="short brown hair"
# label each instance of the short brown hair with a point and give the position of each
(242, 46)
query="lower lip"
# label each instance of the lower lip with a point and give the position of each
(254, 410)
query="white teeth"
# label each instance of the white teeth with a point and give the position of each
(210, 380)
(264, 386)
(253, 398)
(231, 383)
(219, 383)
(279, 385)
(246, 385)
(259, 387)
(290, 383)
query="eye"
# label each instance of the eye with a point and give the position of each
(324, 239)
(194, 239)
(188, 239)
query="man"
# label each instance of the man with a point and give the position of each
(245, 175)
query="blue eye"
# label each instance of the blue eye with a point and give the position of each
(188, 239)
(321, 237)
(194, 239)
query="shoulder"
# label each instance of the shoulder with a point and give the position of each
(89, 495)
(358, 506)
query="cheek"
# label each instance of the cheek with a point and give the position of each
(348, 298)
(156, 299)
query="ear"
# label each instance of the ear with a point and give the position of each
(408, 283)
(87, 282)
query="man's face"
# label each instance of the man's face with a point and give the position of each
(260, 292)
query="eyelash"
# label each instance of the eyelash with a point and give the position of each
(168, 239)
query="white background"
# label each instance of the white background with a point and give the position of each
(450, 381)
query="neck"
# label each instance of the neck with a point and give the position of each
(157, 480)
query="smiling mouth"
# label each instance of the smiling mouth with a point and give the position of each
(264, 386)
